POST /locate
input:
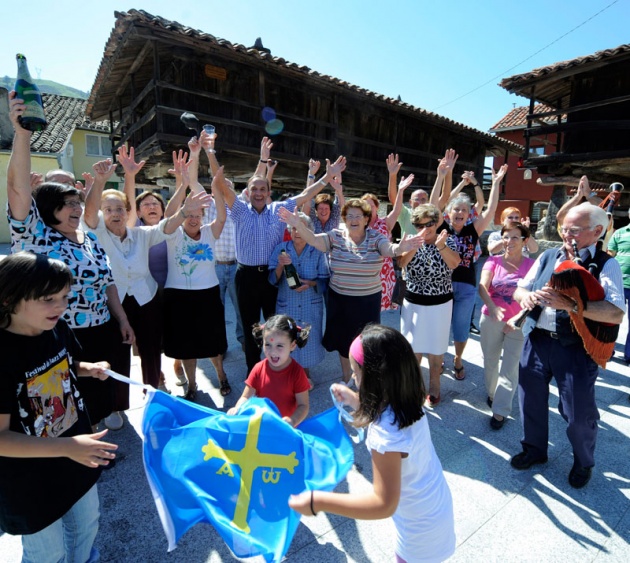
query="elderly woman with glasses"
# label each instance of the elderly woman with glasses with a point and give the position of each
(499, 279)
(426, 311)
(356, 259)
(305, 303)
(495, 240)
(466, 236)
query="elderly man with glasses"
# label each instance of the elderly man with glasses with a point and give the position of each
(553, 348)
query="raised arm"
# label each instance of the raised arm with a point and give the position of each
(313, 167)
(103, 171)
(194, 149)
(393, 167)
(265, 152)
(583, 191)
(219, 202)
(484, 220)
(337, 185)
(293, 220)
(19, 171)
(180, 171)
(332, 170)
(207, 142)
(128, 161)
(392, 217)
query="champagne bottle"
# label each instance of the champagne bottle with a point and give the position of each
(33, 117)
(291, 274)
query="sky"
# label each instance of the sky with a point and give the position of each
(442, 56)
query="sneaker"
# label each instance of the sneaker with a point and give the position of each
(114, 421)
(474, 329)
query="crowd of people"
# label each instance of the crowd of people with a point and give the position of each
(105, 270)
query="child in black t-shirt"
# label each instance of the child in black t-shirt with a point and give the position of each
(49, 458)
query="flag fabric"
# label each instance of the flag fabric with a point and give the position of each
(237, 472)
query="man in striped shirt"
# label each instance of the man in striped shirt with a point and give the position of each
(258, 231)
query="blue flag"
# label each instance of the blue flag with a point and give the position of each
(237, 472)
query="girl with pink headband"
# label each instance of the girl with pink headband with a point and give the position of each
(409, 483)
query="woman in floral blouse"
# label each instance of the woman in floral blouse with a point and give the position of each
(193, 313)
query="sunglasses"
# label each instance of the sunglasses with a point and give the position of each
(425, 225)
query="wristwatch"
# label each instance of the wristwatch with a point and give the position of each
(575, 308)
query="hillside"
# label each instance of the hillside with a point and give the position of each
(47, 87)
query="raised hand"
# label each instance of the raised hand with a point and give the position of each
(36, 180)
(405, 182)
(196, 202)
(179, 163)
(336, 167)
(291, 219)
(313, 166)
(194, 146)
(207, 141)
(468, 176)
(16, 108)
(265, 148)
(497, 175)
(127, 160)
(89, 181)
(393, 165)
(103, 170)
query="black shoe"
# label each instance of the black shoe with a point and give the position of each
(489, 402)
(579, 476)
(474, 329)
(496, 424)
(525, 460)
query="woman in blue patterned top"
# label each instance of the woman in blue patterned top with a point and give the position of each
(48, 222)
(305, 304)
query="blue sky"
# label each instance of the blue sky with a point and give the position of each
(426, 51)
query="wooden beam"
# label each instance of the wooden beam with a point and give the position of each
(609, 124)
(582, 107)
(146, 49)
(578, 158)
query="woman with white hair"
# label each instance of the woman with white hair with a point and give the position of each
(464, 279)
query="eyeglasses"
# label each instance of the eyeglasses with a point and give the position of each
(424, 225)
(508, 239)
(150, 204)
(354, 217)
(574, 231)
(73, 203)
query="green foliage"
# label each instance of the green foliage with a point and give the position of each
(47, 87)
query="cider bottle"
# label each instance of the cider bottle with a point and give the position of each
(33, 117)
(292, 276)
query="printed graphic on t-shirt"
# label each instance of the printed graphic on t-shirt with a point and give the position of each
(52, 397)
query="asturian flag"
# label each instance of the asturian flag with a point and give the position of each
(237, 472)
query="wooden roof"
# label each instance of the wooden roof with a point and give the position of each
(127, 49)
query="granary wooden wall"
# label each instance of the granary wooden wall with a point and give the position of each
(153, 70)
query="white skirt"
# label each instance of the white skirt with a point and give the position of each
(426, 327)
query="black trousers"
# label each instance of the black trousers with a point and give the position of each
(146, 321)
(254, 294)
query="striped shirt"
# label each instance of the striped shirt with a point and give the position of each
(257, 234)
(225, 245)
(356, 269)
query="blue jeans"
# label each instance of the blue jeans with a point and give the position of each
(226, 274)
(464, 296)
(69, 539)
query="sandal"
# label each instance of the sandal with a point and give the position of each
(191, 393)
(224, 387)
(460, 374)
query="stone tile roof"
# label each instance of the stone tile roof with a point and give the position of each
(517, 118)
(63, 114)
(126, 20)
(513, 83)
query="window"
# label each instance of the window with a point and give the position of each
(536, 151)
(98, 146)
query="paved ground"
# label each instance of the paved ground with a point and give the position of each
(500, 514)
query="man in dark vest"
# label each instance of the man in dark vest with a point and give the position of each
(554, 349)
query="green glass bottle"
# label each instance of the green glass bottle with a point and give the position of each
(291, 274)
(33, 117)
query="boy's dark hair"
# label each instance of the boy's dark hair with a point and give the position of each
(282, 323)
(28, 276)
(50, 197)
(391, 378)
